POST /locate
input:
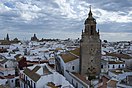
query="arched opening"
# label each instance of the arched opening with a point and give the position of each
(91, 30)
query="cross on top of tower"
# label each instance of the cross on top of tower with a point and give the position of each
(90, 12)
(90, 7)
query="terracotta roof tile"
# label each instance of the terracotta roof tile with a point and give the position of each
(68, 57)
(125, 56)
(116, 62)
(34, 76)
(81, 78)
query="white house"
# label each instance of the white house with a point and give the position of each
(119, 74)
(7, 63)
(116, 64)
(125, 83)
(128, 62)
(68, 65)
(42, 76)
(104, 66)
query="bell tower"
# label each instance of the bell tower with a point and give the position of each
(90, 48)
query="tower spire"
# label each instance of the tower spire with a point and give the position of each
(90, 12)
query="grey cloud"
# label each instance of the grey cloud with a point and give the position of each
(112, 5)
(51, 20)
(115, 27)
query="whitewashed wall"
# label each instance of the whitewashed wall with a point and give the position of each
(116, 66)
(75, 81)
(75, 63)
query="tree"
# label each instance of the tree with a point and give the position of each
(105, 41)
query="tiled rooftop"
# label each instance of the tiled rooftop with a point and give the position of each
(82, 78)
(34, 76)
(68, 57)
(76, 51)
(116, 62)
(125, 56)
(112, 83)
(51, 85)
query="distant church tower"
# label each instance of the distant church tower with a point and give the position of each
(90, 48)
(7, 37)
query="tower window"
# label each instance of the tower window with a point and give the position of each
(91, 31)
(91, 27)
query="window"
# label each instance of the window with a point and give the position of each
(28, 82)
(72, 81)
(91, 31)
(72, 67)
(76, 85)
(108, 66)
(31, 83)
(26, 78)
(91, 27)
(93, 68)
(119, 66)
(34, 85)
(5, 66)
(24, 85)
(101, 66)
(113, 66)
(12, 81)
(123, 65)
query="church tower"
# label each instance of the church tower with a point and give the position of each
(90, 48)
(7, 37)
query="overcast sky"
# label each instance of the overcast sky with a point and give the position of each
(65, 18)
